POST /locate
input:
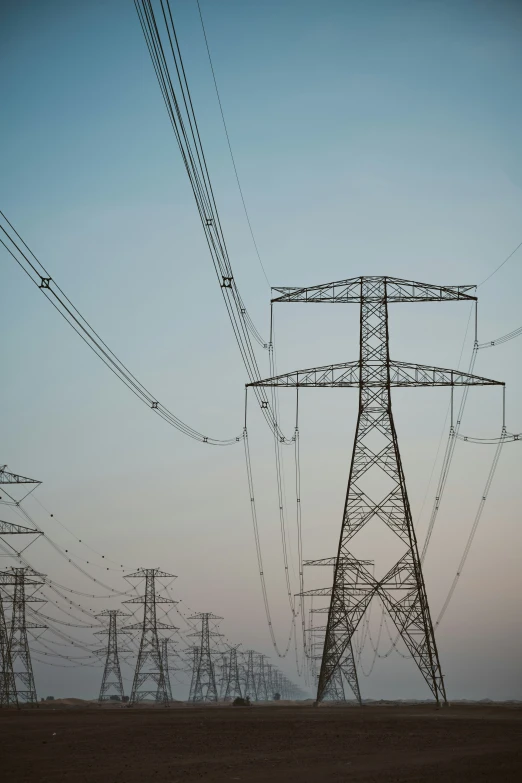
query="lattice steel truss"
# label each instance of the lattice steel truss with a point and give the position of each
(149, 665)
(262, 678)
(346, 664)
(8, 695)
(112, 679)
(402, 590)
(164, 647)
(251, 677)
(203, 686)
(233, 686)
(23, 582)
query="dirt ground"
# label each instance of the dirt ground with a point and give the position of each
(295, 743)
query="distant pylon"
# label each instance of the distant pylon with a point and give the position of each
(262, 683)
(164, 647)
(195, 668)
(149, 665)
(269, 675)
(346, 664)
(205, 688)
(7, 679)
(250, 676)
(223, 676)
(233, 689)
(24, 582)
(111, 673)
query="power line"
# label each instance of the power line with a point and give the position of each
(230, 145)
(63, 305)
(494, 272)
(165, 53)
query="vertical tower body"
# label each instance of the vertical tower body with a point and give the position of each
(149, 678)
(233, 689)
(24, 581)
(205, 688)
(7, 679)
(250, 676)
(111, 679)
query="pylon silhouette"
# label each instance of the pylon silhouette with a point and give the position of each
(24, 582)
(233, 689)
(262, 682)
(346, 665)
(195, 668)
(149, 665)
(167, 668)
(250, 676)
(376, 451)
(205, 688)
(8, 695)
(111, 679)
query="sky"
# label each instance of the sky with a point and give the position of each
(370, 138)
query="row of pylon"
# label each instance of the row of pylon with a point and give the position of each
(212, 679)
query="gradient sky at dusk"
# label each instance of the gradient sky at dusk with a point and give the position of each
(370, 138)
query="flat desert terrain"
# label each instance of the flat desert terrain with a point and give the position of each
(262, 743)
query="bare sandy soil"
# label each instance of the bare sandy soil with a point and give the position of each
(262, 743)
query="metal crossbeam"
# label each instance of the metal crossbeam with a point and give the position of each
(348, 374)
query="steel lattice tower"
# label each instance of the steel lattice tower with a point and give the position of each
(223, 677)
(149, 665)
(164, 646)
(261, 684)
(250, 676)
(195, 669)
(111, 673)
(233, 688)
(346, 665)
(376, 452)
(204, 681)
(7, 679)
(22, 580)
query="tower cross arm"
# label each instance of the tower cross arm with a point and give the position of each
(406, 374)
(348, 374)
(396, 290)
(10, 528)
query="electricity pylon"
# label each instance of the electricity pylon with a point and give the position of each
(205, 688)
(223, 676)
(376, 451)
(346, 665)
(149, 665)
(261, 680)
(7, 679)
(24, 582)
(164, 647)
(250, 676)
(233, 687)
(111, 673)
(195, 668)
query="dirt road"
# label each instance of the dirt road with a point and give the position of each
(273, 744)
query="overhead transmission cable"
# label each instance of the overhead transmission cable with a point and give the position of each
(230, 146)
(56, 296)
(170, 72)
(494, 272)
(474, 527)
